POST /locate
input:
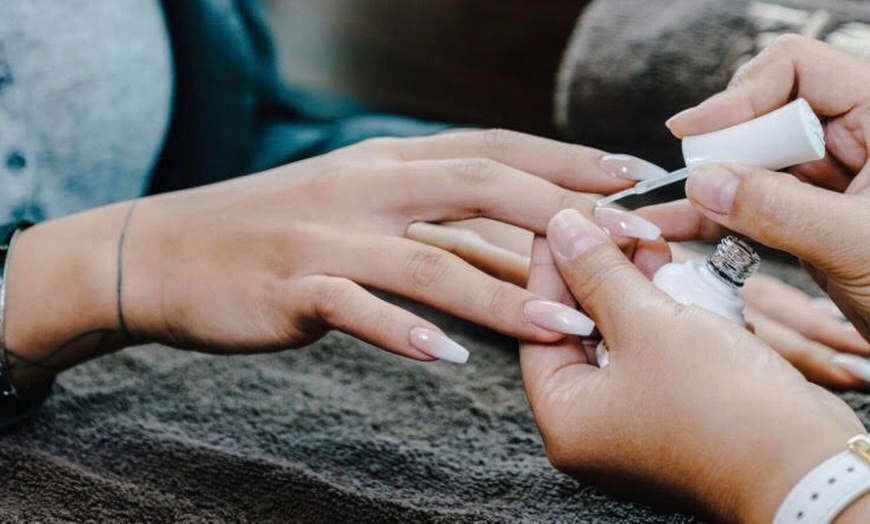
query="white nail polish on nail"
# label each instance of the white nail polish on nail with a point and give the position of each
(558, 317)
(828, 305)
(437, 345)
(631, 168)
(624, 224)
(857, 366)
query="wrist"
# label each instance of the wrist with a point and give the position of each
(61, 292)
(857, 513)
(780, 466)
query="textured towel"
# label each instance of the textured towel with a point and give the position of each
(338, 432)
(631, 64)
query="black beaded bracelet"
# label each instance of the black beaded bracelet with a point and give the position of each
(15, 403)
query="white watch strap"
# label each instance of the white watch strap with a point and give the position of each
(827, 490)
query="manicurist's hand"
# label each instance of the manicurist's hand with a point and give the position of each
(690, 406)
(820, 211)
(276, 260)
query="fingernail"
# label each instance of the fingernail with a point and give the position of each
(714, 188)
(828, 305)
(721, 94)
(572, 235)
(854, 365)
(670, 121)
(437, 345)
(557, 317)
(631, 168)
(617, 222)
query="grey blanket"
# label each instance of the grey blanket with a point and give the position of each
(337, 432)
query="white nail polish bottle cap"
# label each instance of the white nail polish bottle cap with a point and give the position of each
(786, 137)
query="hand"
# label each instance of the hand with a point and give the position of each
(691, 405)
(808, 332)
(821, 221)
(275, 260)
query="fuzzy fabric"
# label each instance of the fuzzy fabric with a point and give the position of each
(338, 432)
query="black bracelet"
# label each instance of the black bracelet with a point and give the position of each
(15, 403)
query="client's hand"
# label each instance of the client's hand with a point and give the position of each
(808, 332)
(690, 406)
(276, 260)
(821, 212)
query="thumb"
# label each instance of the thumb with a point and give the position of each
(822, 227)
(608, 286)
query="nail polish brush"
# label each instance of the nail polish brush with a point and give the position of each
(783, 138)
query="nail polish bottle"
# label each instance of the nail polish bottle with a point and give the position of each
(713, 284)
(788, 136)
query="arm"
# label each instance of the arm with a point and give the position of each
(275, 260)
(62, 293)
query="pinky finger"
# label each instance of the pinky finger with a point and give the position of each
(344, 305)
(811, 358)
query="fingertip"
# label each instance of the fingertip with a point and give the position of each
(677, 123)
(713, 188)
(570, 235)
(858, 367)
(437, 345)
(723, 109)
(650, 256)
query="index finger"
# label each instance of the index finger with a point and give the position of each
(568, 165)
(832, 81)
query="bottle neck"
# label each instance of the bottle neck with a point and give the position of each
(733, 262)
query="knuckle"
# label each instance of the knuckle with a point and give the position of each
(498, 141)
(379, 322)
(332, 298)
(788, 44)
(593, 286)
(379, 145)
(773, 209)
(563, 199)
(427, 267)
(499, 297)
(477, 171)
(741, 75)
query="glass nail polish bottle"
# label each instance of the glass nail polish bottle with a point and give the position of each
(713, 284)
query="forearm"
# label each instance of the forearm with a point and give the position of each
(64, 279)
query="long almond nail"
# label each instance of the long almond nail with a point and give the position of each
(854, 365)
(631, 168)
(828, 305)
(617, 222)
(572, 235)
(437, 345)
(714, 188)
(558, 317)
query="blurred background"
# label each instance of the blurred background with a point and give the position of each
(488, 62)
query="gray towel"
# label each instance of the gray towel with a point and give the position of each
(631, 64)
(338, 432)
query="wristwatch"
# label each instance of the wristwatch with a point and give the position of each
(830, 488)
